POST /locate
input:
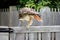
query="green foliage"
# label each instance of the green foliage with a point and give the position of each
(30, 4)
(57, 4)
(39, 4)
(42, 4)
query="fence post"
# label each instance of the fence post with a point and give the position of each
(58, 9)
(12, 14)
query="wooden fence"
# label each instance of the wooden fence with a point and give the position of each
(9, 17)
(48, 31)
(36, 33)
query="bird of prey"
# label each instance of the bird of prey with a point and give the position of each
(29, 14)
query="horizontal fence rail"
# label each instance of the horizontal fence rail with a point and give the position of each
(36, 33)
(37, 29)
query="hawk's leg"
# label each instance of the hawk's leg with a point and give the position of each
(29, 23)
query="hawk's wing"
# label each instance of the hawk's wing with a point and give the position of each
(38, 18)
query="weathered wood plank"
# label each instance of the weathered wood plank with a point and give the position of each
(27, 36)
(4, 18)
(4, 27)
(4, 36)
(46, 36)
(31, 36)
(40, 36)
(38, 33)
(17, 37)
(13, 16)
(58, 36)
(37, 29)
(53, 36)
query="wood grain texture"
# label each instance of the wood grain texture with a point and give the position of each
(4, 36)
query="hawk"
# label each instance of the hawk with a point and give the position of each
(28, 14)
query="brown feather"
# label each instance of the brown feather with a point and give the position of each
(38, 18)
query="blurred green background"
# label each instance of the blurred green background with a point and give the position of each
(36, 4)
(30, 3)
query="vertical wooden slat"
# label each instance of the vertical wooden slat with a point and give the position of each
(35, 36)
(58, 9)
(39, 36)
(13, 16)
(57, 35)
(55, 10)
(52, 9)
(53, 36)
(19, 36)
(4, 36)
(4, 17)
(53, 18)
(46, 36)
(10, 16)
(52, 13)
(0, 18)
(12, 36)
(56, 17)
(27, 36)
(31, 36)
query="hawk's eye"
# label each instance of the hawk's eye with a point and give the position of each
(20, 16)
